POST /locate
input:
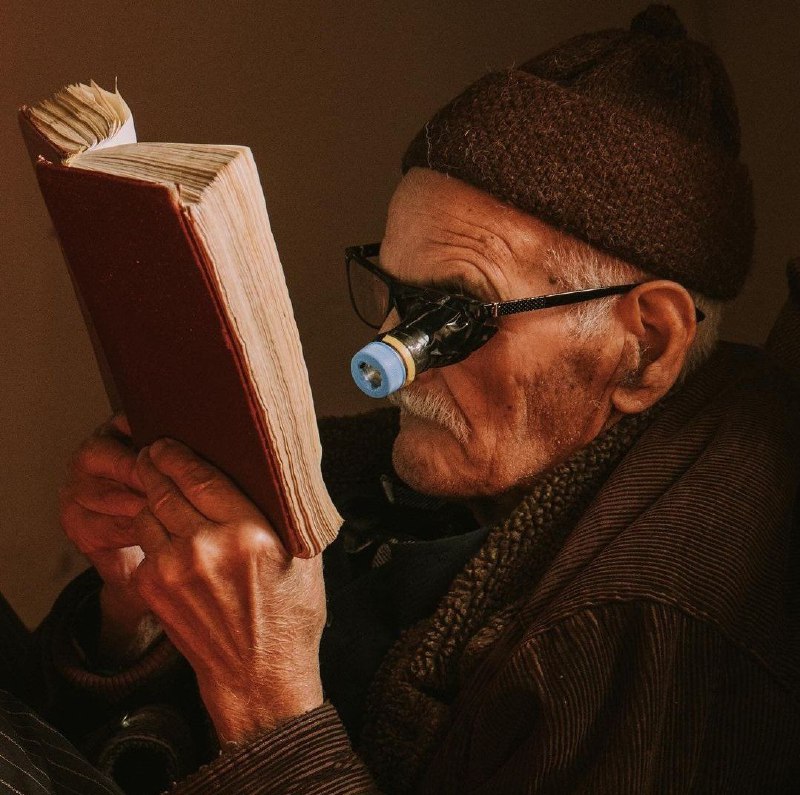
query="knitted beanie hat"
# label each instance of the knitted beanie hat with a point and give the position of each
(628, 140)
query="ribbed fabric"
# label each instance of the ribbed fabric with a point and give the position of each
(146, 717)
(626, 698)
(656, 652)
(69, 659)
(37, 760)
(309, 755)
(421, 675)
(659, 652)
(34, 757)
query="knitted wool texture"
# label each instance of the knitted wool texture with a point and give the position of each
(628, 140)
(409, 701)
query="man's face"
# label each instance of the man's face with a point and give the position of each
(530, 396)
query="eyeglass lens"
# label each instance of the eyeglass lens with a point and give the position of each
(370, 294)
(373, 297)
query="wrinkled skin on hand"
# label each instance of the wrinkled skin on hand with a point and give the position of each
(100, 499)
(245, 614)
(98, 504)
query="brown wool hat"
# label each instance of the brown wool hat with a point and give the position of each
(628, 140)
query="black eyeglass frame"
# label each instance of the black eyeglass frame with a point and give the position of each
(479, 309)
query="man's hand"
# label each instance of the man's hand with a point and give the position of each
(245, 614)
(97, 506)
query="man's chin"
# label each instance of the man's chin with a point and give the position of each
(426, 438)
(425, 455)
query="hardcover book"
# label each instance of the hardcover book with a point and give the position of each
(175, 267)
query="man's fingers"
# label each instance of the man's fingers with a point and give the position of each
(165, 499)
(150, 534)
(92, 532)
(119, 422)
(117, 566)
(102, 495)
(203, 485)
(118, 427)
(106, 457)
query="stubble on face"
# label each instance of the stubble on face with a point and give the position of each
(437, 452)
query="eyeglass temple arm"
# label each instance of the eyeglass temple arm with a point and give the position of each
(556, 299)
(501, 308)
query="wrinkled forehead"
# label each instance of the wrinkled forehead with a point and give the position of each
(440, 223)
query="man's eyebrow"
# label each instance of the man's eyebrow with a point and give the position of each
(457, 284)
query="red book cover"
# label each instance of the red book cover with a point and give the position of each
(160, 326)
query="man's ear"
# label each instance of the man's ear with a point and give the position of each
(659, 321)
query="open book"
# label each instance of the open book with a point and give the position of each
(172, 257)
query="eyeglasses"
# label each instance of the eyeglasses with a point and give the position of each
(374, 293)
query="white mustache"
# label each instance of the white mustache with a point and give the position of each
(433, 407)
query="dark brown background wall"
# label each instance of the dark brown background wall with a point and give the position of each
(327, 95)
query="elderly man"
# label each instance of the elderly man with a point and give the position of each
(572, 567)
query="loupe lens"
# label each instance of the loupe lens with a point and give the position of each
(378, 369)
